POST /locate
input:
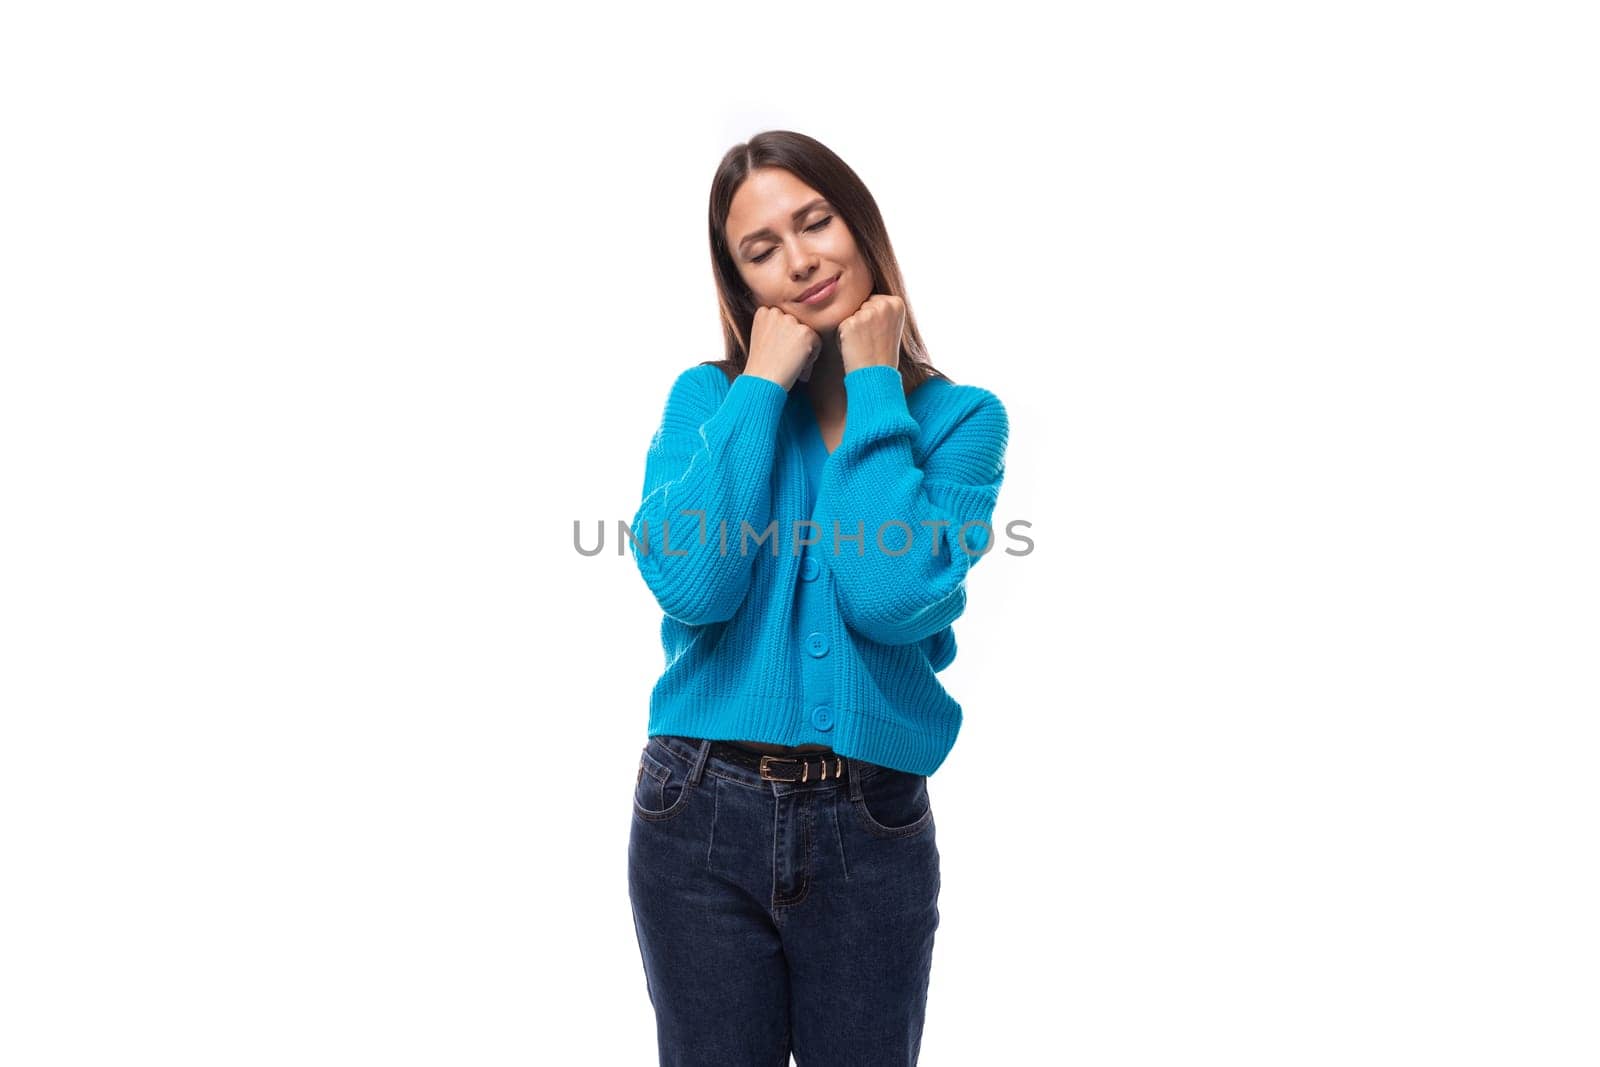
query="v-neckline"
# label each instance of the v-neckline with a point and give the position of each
(813, 452)
(813, 429)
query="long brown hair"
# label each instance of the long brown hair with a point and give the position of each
(815, 164)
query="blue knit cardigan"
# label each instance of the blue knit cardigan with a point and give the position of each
(837, 643)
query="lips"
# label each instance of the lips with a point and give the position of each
(818, 287)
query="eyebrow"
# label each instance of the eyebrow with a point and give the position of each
(766, 231)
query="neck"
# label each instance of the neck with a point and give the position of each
(825, 387)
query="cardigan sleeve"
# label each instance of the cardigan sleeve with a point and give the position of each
(709, 463)
(871, 480)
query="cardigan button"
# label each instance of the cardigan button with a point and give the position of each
(810, 569)
(817, 644)
(822, 717)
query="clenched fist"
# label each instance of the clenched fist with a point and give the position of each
(871, 336)
(781, 346)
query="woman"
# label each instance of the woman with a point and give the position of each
(782, 866)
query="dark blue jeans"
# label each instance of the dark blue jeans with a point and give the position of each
(778, 917)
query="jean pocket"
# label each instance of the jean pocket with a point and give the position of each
(661, 786)
(894, 803)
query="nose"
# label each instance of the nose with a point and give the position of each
(801, 263)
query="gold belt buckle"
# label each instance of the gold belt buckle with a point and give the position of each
(805, 768)
(767, 759)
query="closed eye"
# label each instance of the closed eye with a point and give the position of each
(819, 224)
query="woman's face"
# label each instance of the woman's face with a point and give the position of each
(787, 239)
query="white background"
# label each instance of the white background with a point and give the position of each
(322, 323)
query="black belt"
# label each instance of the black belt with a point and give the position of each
(820, 766)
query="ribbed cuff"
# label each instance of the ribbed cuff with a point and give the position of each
(756, 385)
(875, 399)
(753, 399)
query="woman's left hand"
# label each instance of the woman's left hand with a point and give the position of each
(871, 336)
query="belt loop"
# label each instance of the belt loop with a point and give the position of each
(698, 765)
(853, 776)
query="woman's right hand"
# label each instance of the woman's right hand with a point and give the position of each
(781, 346)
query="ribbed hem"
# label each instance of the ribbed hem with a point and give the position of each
(863, 736)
